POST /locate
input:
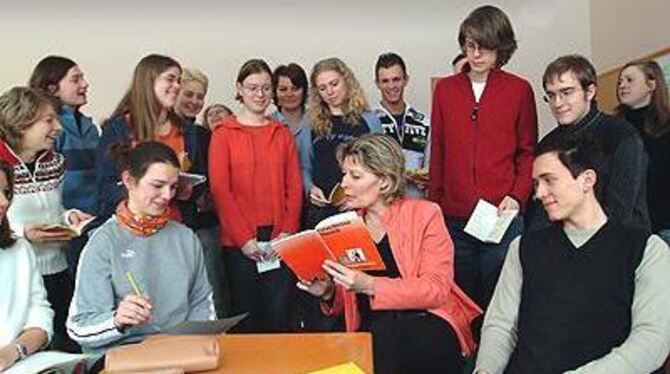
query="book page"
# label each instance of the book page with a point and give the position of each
(40, 361)
(266, 264)
(485, 224)
(337, 195)
(304, 253)
(501, 226)
(349, 240)
(73, 230)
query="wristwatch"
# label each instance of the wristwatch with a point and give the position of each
(21, 350)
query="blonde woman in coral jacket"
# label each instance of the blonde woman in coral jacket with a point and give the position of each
(418, 317)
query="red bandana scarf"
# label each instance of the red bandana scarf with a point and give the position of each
(141, 226)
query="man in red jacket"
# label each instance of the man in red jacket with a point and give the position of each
(484, 130)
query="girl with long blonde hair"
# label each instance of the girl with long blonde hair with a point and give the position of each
(338, 111)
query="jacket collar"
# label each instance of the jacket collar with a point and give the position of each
(592, 117)
(231, 123)
(8, 155)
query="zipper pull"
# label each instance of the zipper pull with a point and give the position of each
(475, 112)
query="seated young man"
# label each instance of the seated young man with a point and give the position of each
(587, 293)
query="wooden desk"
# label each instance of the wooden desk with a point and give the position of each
(293, 353)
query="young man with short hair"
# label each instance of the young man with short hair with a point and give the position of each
(484, 130)
(587, 293)
(406, 124)
(570, 87)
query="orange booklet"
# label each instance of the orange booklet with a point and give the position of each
(342, 237)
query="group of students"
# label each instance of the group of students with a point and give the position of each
(162, 250)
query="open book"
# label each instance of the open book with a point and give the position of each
(336, 196)
(342, 237)
(73, 230)
(49, 362)
(486, 225)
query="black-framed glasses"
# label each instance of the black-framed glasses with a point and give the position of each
(563, 94)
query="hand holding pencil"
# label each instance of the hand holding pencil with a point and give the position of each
(134, 309)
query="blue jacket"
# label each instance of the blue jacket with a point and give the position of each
(117, 131)
(78, 142)
(304, 144)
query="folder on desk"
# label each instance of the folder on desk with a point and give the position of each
(215, 327)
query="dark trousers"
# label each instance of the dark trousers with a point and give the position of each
(267, 297)
(477, 264)
(420, 344)
(216, 270)
(59, 288)
(73, 250)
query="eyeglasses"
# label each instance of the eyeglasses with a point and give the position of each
(253, 88)
(471, 47)
(563, 94)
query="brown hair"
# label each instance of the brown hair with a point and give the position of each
(383, 157)
(657, 118)
(205, 122)
(140, 101)
(49, 72)
(296, 74)
(20, 108)
(489, 27)
(578, 65)
(253, 66)
(137, 159)
(7, 237)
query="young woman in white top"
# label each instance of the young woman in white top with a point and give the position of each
(25, 314)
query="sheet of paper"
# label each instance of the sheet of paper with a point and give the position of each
(204, 327)
(485, 224)
(266, 265)
(45, 360)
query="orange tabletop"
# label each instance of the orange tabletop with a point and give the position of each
(293, 353)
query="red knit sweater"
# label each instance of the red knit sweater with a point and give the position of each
(484, 153)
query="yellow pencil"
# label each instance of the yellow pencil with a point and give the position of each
(131, 279)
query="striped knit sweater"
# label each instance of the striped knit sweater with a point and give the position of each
(37, 200)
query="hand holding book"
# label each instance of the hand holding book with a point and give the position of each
(351, 279)
(74, 226)
(342, 238)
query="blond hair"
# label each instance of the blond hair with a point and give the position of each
(383, 157)
(353, 107)
(194, 75)
(20, 108)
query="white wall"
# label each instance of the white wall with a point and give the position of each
(624, 30)
(107, 40)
